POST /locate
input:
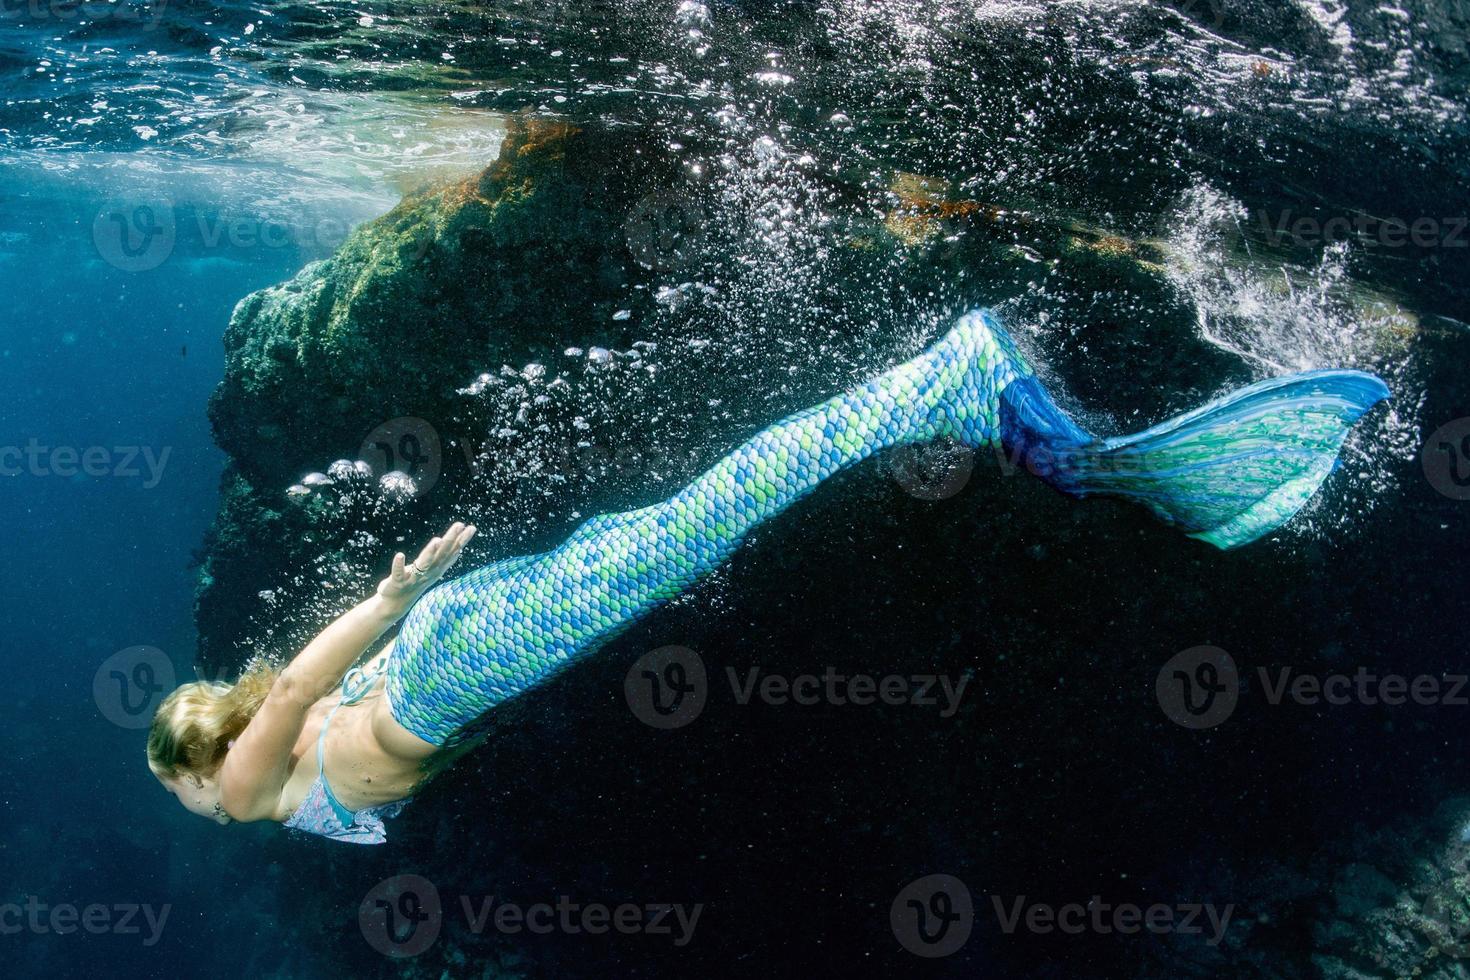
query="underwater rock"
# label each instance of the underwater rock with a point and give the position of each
(510, 264)
(420, 298)
(1392, 902)
(1403, 907)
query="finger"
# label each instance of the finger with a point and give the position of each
(398, 570)
(440, 552)
(465, 534)
(454, 538)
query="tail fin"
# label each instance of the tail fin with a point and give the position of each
(1227, 473)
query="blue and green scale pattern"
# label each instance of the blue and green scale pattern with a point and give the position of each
(491, 634)
(1227, 473)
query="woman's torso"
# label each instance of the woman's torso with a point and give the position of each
(364, 760)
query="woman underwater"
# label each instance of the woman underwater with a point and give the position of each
(1226, 473)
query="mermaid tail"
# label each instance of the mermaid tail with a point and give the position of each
(1224, 473)
(1227, 473)
(473, 642)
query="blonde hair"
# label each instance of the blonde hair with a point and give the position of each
(194, 726)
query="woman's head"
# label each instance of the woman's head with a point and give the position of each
(193, 730)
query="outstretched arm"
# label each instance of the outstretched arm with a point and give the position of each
(256, 766)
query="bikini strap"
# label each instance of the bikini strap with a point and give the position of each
(360, 680)
(355, 686)
(345, 817)
(321, 742)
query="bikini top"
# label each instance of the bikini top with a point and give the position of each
(321, 812)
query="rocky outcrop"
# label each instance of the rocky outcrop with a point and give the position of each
(416, 302)
(1387, 902)
(507, 265)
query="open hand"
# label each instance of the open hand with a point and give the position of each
(408, 580)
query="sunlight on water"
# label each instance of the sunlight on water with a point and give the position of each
(362, 139)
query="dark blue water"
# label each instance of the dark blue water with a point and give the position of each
(158, 162)
(108, 368)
